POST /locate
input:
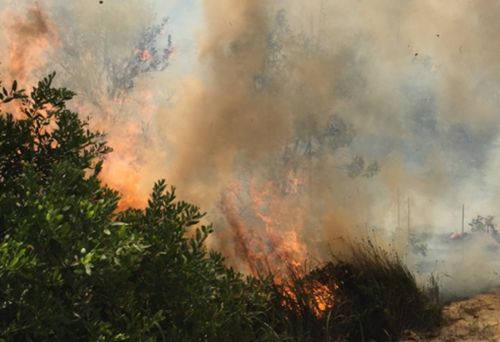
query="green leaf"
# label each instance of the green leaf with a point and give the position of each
(88, 268)
(119, 224)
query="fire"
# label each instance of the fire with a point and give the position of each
(283, 223)
(302, 293)
(267, 220)
(125, 167)
(323, 298)
(145, 55)
(267, 226)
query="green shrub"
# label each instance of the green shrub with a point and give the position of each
(73, 268)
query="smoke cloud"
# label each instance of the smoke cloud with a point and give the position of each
(297, 126)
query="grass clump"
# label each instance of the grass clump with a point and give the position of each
(368, 295)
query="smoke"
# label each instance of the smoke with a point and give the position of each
(30, 36)
(297, 126)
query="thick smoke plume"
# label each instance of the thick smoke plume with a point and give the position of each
(297, 125)
(30, 36)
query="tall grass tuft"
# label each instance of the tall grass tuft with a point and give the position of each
(369, 295)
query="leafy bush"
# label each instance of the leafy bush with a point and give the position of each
(73, 268)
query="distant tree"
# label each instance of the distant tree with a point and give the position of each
(311, 141)
(483, 224)
(102, 58)
(108, 72)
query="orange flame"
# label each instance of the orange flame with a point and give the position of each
(267, 226)
(125, 168)
(145, 55)
(302, 293)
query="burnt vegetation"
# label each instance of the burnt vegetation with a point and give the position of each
(74, 268)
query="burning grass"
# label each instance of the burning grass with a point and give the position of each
(368, 295)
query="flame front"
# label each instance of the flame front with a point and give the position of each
(267, 225)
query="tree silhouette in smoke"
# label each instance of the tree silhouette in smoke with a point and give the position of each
(104, 59)
(336, 134)
(312, 140)
(483, 224)
(146, 57)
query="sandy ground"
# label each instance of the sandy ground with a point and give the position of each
(473, 319)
